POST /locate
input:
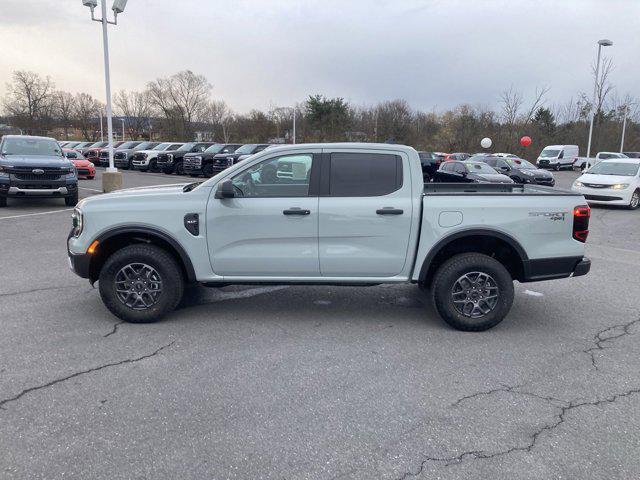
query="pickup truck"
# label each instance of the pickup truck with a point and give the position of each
(35, 167)
(203, 163)
(329, 214)
(582, 163)
(171, 161)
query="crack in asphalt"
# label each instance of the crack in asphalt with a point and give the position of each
(559, 419)
(601, 338)
(114, 329)
(507, 389)
(82, 372)
(34, 290)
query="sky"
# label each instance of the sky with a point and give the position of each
(263, 53)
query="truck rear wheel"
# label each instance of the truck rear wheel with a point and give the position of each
(141, 283)
(472, 292)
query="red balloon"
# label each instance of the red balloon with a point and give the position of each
(525, 141)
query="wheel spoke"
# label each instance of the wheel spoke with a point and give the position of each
(475, 294)
(138, 286)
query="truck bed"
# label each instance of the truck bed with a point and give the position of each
(437, 188)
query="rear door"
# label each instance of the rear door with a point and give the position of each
(270, 228)
(365, 213)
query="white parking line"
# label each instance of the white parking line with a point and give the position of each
(34, 214)
(90, 189)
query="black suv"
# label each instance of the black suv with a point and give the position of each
(35, 167)
(519, 170)
(469, 172)
(170, 161)
(202, 163)
(223, 161)
(104, 153)
(430, 162)
(124, 156)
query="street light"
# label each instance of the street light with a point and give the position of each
(112, 179)
(101, 129)
(601, 43)
(122, 120)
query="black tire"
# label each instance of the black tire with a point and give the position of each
(72, 200)
(165, 266)
(3, 202)
(178, 169)
(153, 167)
(447, 279)
(167, 171)
(194, 175)
(634, 203)
(425, 177)
(207, 170)
(557, 168)
(91, 177)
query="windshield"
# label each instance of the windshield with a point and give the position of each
(187, 146)
(215, 148)
(162, 146)
(546, 153)
(126, 145)
(479, 168)
(520, 163)
(31, 146)
(99, 144)
(615, 168)
(145, 146)
(246, 149)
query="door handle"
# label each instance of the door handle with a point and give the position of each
(296, 211)
(389, 211)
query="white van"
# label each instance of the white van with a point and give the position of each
(558, 156)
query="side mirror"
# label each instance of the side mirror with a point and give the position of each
(504, 169)
(225, 190)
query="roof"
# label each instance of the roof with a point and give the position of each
(344, 145)
(621, 160)
(29, 136)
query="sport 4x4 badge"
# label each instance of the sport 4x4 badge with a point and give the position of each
(554, 216)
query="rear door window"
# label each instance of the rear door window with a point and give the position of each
(364, 174)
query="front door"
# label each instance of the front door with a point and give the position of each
(270, 227)
(365, 214)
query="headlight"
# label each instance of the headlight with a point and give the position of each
(620, 186)
(578, 184)
(170, 156)
(4, 170)
(229, 161)
(91, 164)
(70, 169)
(527, 173)
(78, 221)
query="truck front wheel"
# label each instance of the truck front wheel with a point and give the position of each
(472, 292)
(141, 283)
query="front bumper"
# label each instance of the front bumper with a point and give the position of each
(16, 188)
(86, 171)
(80, 264)
(605, 196)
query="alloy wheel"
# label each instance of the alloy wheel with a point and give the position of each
(475, 294)
(138, 286)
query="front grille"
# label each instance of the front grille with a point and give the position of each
(595, 185)
(139, 156)
(601, 198)
(33, 177)
(104, 154)
(120, 155)
(83, 171)
(543, 162)
(192, 162)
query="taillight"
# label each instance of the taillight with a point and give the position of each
(581, 215)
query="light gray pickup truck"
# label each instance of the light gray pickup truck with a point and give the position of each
(338, 214)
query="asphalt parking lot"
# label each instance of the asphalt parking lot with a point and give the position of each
(315, 382)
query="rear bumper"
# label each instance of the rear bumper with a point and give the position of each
(554, 268)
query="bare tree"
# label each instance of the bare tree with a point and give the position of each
(182, 99)
(538, 101)
(220, 116)
(138, 108)
(64, 105)
(603, 85)
(86, 110)
(511, 103)
(29, 99)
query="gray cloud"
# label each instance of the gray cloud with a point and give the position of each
(256, 53)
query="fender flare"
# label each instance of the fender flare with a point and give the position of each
(122, 229)
(484, 232)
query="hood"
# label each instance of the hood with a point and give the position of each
(36, 161)
(81, 162)
(493, 177)
(149, 151)
(538, 172)
(157, 190)
(605, 179)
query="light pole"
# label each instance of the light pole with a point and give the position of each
(294, 125)
(601, 43)
(624, 127)
(101, 130)
(122, 120)
(112, 179)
